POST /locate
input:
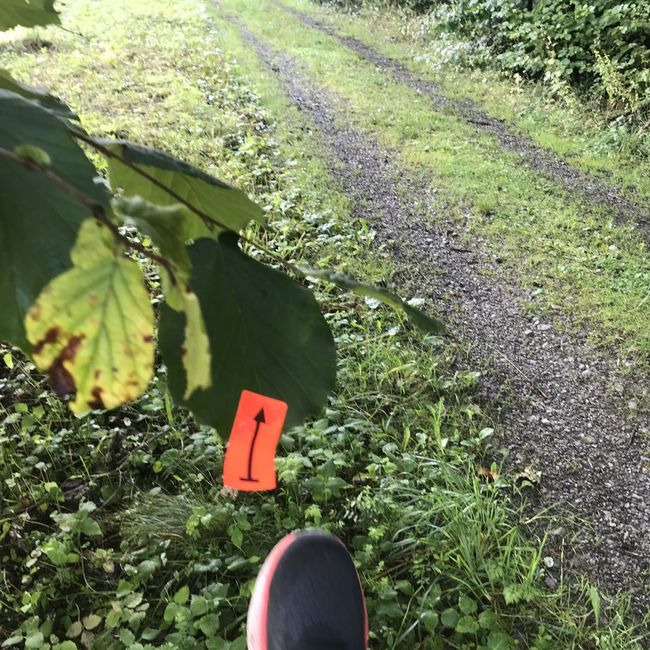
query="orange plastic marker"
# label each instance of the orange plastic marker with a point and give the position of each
(249, 465)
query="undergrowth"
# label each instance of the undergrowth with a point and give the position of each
(581, 129)
(115, 529)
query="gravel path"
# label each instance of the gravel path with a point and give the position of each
(595, 189)
(583, 436)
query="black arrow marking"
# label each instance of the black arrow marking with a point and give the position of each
(259, 419)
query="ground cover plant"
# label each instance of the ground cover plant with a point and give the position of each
(116, 531)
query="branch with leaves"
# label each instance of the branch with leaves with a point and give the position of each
(77, 303)
(96, 209)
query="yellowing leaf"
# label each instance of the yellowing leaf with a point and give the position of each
(196, 346)
(91, 621)
(39, 222)
(196, 351)
(92, 327)
(166, 225)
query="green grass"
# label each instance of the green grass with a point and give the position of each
(391, 466)
(597, 271)
(580, 133)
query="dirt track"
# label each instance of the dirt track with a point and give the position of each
(564, 408)
(595, 189)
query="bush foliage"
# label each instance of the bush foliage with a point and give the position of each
(598, 46)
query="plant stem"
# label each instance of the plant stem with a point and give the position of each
(209, 221)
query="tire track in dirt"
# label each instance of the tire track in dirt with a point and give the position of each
(595, 189)
(582, 438)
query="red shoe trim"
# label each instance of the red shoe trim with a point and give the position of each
(256, 633)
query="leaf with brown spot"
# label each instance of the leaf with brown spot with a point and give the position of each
(92, 326)
(51, 335)
(168, 227)
(39, 221)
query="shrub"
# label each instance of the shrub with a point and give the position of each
(599, 47)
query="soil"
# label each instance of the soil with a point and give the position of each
(562, 408)
(593, 188)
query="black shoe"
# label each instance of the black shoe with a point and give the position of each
(308, 597)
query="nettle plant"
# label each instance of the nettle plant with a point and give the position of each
(72, 285)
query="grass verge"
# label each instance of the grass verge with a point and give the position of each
(115, 532)
(568, 253)
(550, 114)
